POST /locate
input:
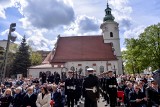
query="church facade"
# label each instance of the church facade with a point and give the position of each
(101, 52)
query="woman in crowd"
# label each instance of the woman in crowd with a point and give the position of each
(6, 98)
(44, 98)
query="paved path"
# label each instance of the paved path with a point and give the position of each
(100, 104)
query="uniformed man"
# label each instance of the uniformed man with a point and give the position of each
(111, 86)
(105, 91)
(91, 89)
(70, 87)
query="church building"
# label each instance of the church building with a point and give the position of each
(101, 52)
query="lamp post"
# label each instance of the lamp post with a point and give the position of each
(80, 71)
(12, 38)
(115, 71)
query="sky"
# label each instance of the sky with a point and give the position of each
(42, 21)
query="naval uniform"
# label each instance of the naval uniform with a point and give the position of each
(90, 83)
(112, 90)
(70, 87)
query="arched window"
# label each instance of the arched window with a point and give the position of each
(72, 68)
(111, 34)
(86, 70)
(101, 69)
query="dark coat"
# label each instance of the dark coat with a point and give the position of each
(70, 82)
(111, 81)
(18, 100)
(5, 101)
(133, 96)
(126, 95)
(30, 101)
(57, 98)
(90, 82)
(153, 96)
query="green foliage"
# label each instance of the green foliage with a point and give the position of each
(35, 58)
(22, 59)
(143, 52)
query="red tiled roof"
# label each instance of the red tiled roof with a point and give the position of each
(83, 48)
(47, 59)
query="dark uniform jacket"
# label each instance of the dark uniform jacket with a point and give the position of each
(90, 82)
(30, 101)
(70, 82)
(111, 81)
(5, 101)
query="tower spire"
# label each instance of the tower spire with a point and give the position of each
(108, 15)
(107, 4)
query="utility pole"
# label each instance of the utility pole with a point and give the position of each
(10, 38)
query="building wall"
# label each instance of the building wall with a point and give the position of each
(112, 65)
(94, 64)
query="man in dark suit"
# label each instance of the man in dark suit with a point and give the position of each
(137, 98)
(153, 94)
(91, 89)
(127, 90)
(30, 98)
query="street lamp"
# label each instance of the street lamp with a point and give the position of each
(10, 38)
(115, 71)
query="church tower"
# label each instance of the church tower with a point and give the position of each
(110, 33)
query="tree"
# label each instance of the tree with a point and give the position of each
(22, 59)
(35, 58)
(143, 52)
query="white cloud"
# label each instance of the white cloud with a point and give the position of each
(4, 4)
(84, 25)
(122, 13)
(38, 42)
(48, 14)
(5, 33)
(135, 32)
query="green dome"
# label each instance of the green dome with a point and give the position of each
(108, 16)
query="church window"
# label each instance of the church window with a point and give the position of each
(72, 68)
(101, 69)
(111, 34)
(86, 68)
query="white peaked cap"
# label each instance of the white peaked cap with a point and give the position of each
(90, 69)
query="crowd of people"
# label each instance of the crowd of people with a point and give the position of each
(137, 90)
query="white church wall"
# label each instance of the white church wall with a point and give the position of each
(94, 64)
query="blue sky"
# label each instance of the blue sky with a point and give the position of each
(41, 22)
